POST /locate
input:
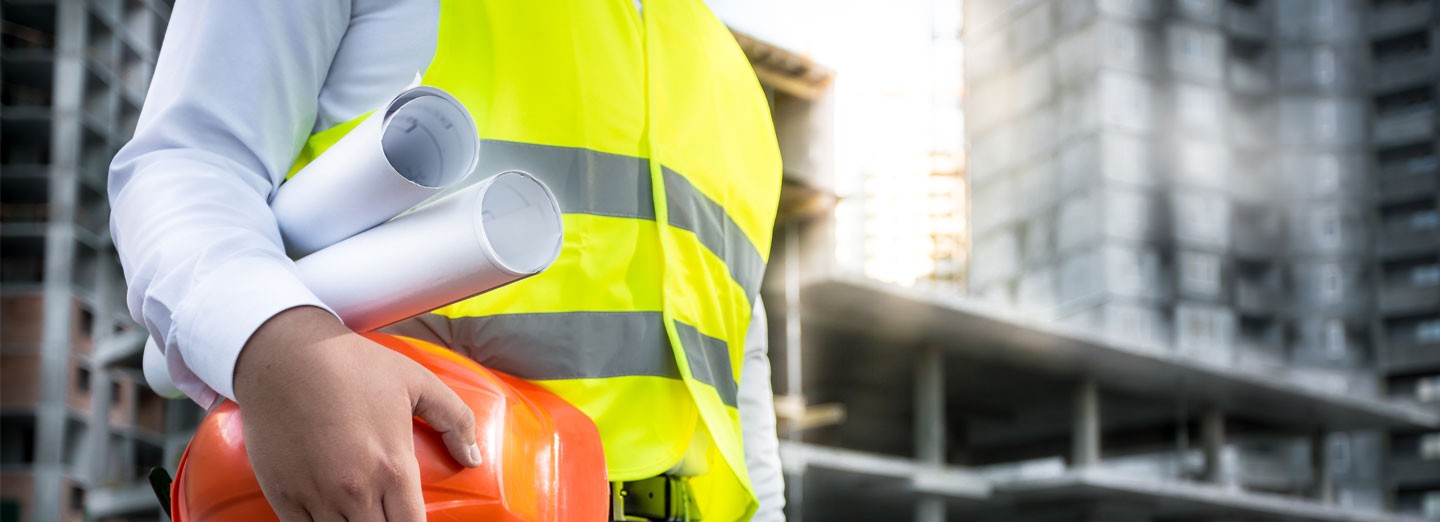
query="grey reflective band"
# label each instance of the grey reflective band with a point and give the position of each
(578, 345)
(599, 183)
(709, 360)
(585, 181)
(692, 210)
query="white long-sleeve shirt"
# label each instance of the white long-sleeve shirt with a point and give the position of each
(238, 88)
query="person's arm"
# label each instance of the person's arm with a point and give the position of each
(757, 422)
(327, 414)
(232, 99)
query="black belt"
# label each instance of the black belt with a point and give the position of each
(665, 498)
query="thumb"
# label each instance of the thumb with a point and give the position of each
(443, 410)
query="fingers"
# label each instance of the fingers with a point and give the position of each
(326, 516)
(443, 410)
(353, 504)
(290, 512)
(353, 496)
(404, 502)
(372, 513)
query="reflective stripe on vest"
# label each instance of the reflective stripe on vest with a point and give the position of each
(656, 137)
(580, 345)
(590, 182)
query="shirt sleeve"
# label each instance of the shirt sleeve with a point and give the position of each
(232, 100)
(757, 421)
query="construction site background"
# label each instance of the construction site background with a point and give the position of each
(1036, 260)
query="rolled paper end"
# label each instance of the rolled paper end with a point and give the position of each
(419, 144)
(519, 223)
(157, 373)
(430, 138)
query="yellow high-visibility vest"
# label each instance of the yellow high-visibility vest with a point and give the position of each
(656, 137)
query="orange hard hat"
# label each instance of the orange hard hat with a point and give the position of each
(542, 456)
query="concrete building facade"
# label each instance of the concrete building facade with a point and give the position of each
(1205, 258)
(1403, 85)
(1245, 183)
(80, 430)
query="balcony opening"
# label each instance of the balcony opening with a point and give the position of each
(29, 26)
(24, 199)
(1411, 272)
(1418, 215)
(77, 498)
(1418, 158)
(1387, 4)
(26, 141)
(82, 379)
(1402, 46)
(18, 433)
(86, 320)
(147, 456)
(1409, 101)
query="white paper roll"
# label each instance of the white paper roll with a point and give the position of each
(485, 236)
(407, 151)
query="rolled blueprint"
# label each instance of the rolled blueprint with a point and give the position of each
(482, 237)
(407, 151)
(485, 236)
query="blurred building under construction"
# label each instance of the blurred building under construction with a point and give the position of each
(80, 430)
(1239, 195)
(1204, 276)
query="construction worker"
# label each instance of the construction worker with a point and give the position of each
(645, 120)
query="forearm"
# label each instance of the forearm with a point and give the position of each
(203, 265)
(233, 95)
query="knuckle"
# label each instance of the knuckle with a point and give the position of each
(353, 488)
(390, 471)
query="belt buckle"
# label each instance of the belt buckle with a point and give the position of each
(664, 498)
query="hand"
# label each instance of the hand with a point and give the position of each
(328, 419)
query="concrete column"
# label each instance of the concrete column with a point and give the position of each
(930, 406)
(1085, 433)
(930, 509)
(97, 439)
(930, 424)
(97, 443)
(1212, 440)
(51, 414)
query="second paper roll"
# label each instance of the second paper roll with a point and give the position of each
(487, 235)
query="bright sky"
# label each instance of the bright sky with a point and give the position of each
(896, 101)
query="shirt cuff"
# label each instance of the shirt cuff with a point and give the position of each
(227, 306)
